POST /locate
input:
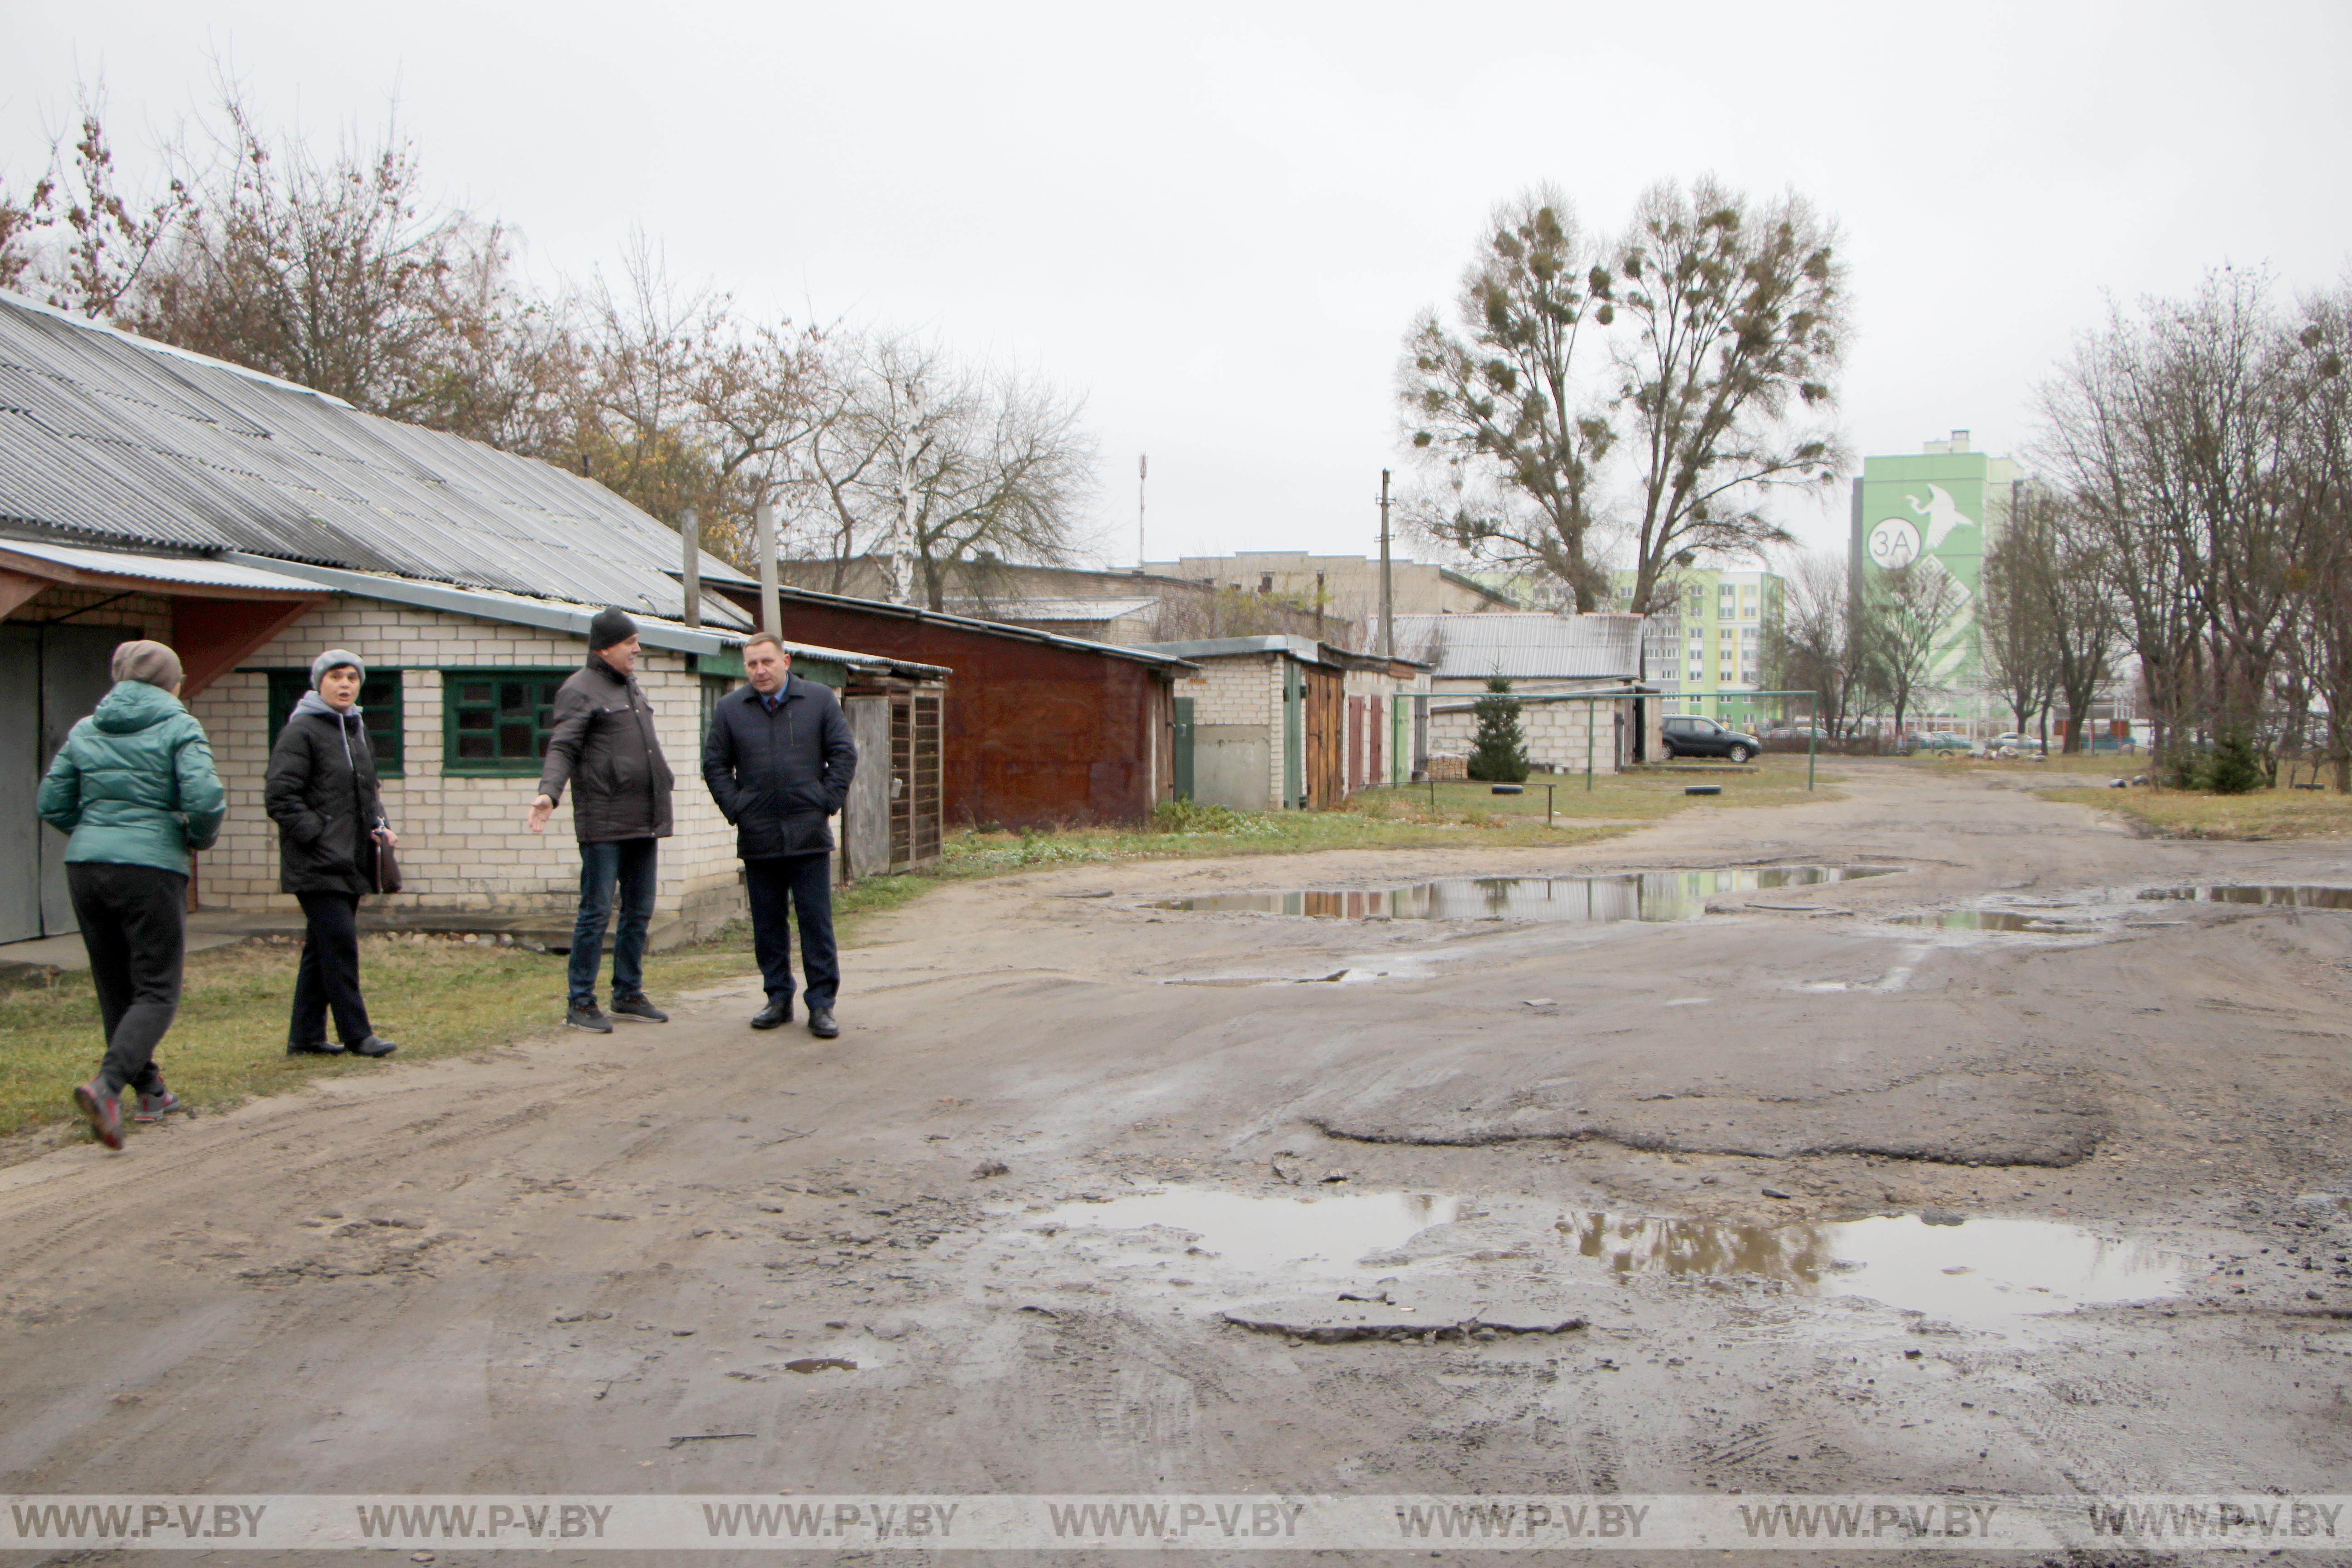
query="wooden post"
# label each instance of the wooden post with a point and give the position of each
(690, 533)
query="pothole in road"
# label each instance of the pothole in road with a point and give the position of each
(1654, 896)
(2297, 896)
(1244, 1240)
(1980, 1274)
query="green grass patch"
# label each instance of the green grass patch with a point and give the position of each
(437, 998)
(2191, 814)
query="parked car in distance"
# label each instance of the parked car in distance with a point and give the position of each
(1798, 733)
(2014, 745)
(1688, 736)
(1943, 743)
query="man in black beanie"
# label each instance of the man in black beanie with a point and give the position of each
(605, 744)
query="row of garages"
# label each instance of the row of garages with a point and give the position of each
(251, 523)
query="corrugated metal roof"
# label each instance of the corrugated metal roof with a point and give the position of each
(1524, 645)
(1050, 609)
(108, 437)
(1305, 649)
(975, 623)
(194, 571)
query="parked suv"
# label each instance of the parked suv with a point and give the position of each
(1690, 736)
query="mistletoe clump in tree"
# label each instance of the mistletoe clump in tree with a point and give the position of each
(1499, 753)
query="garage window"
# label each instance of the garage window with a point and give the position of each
(496, 721)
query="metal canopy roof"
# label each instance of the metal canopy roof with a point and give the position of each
(1525, 646)
(117, 440)
(788, 595)
(181, 571)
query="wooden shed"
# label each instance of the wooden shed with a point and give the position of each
(1044, 730)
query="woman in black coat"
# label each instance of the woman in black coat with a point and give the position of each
(321, 793)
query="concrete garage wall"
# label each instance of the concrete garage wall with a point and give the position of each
(1230, 766)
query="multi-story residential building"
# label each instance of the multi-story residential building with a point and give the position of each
(1940, 511)
(1704, 646)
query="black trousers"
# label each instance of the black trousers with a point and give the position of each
(134, 925)
(802, 883)
(330, 976)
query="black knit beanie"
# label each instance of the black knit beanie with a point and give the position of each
(611, 625)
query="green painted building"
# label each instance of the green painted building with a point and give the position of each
(1707, 653)
(1946, 506)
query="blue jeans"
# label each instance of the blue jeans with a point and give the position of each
(631, 863)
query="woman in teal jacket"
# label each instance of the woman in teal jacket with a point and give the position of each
(134, 784)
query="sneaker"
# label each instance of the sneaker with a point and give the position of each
(590, 1018)
(312, 1048)
(100, 1103)
(374, 1046)
(639, 1006)
(155, 1106)
(821, 1023)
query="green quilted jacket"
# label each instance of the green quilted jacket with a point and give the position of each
(135, 783)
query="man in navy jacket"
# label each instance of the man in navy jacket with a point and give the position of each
(779, 760)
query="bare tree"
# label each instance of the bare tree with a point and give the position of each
(2079, 607)
(1500, 408)
(339, 273)
(927, 462)
(1737, 318)
(1819, 644)
(2017, 629)
(2323, 492)
(75, 238)
(1912, 611)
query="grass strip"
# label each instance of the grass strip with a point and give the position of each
(437, 997)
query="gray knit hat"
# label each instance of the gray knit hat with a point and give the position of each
(149, 661)
(334, 659)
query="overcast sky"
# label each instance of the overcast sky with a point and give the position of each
(1217, 221)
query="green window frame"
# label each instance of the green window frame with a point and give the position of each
(495, 722)
(379, 707)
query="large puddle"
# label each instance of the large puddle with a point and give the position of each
(2302, 897)
(1978, 1274)
(1981, 1273)
(1989, 920)
(1638, 896)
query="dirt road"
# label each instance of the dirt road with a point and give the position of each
(1710, 1140)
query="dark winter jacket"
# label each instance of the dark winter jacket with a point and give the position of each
(135, 783)
(777, 776)
(603, 743)
(321, 792)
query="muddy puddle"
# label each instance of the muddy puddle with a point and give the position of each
(1654, 896)
(2302, 897)
(1989, 920)
(1972, 1274)
(1976, 1273)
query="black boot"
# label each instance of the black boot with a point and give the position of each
(775, 1014)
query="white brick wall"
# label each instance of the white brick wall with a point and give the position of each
(1555, 731)
(464, 844)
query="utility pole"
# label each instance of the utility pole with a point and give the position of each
(1142, 472)
(764, 534)
(1388, 579)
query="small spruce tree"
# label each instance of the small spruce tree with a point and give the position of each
(1499, 753)
(2235, 767)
